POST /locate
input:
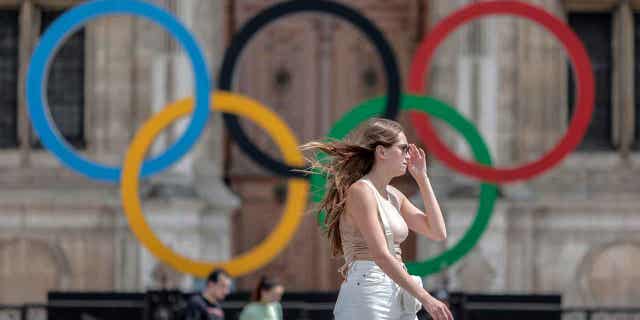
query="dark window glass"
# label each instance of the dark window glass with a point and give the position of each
(65, 85)
(594, 29)
(8, 78)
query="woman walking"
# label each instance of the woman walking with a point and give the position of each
(367, 220)
(265, 301)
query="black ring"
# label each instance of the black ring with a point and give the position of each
(249, 29)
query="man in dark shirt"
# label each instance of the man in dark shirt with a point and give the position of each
(206, 305)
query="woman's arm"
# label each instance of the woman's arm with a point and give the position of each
(431, 222)
(362, 206)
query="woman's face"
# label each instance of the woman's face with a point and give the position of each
(395, 157)
(273, 295)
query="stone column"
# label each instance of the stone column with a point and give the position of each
(205, 19)
(204, 168)
(188, 205)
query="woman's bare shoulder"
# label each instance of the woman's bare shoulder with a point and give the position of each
(358, 189)
(359, 195)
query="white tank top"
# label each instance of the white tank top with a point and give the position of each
(355, 247)
(391, 207)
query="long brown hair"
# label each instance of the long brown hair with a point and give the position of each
(349, 160)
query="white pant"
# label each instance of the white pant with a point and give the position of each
(369, 293)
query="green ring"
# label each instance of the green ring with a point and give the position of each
(438, 109)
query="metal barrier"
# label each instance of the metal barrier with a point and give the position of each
(601, 313)
(320, 310)
(23, 312)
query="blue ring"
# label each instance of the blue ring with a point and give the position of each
(64, 26)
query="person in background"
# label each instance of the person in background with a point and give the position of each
(265, 301)
(206, 305)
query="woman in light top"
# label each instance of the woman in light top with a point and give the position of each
(265, 301)
(367, 220)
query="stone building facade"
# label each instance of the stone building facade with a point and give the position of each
(572, 230)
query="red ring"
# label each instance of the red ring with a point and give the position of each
(584, 87)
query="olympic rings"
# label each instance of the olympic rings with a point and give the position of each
(439, 109)
(66, 24)
(584, 100)
(274, 12)
(234, 105)
(260, 254)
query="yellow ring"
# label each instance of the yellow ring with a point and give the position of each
(262, 253)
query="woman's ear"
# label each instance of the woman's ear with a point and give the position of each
(380, 151)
